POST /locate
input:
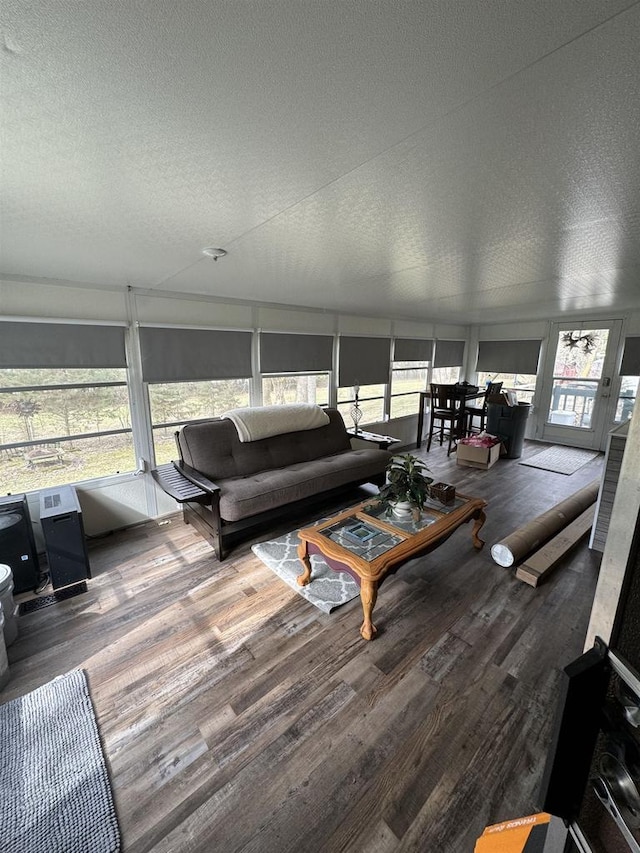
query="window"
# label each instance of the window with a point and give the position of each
(408, 378)
(64, 404)
(176, 403)
(447, 362)
(409, 374)
(363, 363)
(627, 398)
(577, 370)
(295, 368)
(192, 374)
(512, 362)
(63, 426)
(629, 370)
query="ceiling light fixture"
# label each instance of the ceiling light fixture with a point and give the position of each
(214, 253)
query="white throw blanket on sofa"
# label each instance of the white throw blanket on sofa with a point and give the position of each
(253, 424)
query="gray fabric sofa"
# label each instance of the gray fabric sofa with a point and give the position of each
(226, 486)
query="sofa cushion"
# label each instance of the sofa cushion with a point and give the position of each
(213, 448)
(245, 496)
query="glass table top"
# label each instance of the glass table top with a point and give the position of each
(369, 540)
(362, 539)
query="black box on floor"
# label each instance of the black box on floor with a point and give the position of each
(63, 531)
(17, 543)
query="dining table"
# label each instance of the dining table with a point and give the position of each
(470, 392)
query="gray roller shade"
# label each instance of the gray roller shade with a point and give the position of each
(449, 354)
(631, 358)
(36, 345)
(295, 353)
(508, 356)
(412, 349)
(363, 361)
(183, 355)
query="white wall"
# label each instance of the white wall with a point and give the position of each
(171, 309)
(26, 299)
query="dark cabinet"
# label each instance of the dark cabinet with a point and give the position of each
(17, 543)
(63, 532)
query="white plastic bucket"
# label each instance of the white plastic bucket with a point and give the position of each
(8, 604)
(4, 662)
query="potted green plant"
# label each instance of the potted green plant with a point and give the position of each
(407, 486)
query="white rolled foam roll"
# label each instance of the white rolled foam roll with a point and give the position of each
(533, 535)
(502, 555)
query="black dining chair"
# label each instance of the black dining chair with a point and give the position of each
(471, 412)
(447, 414)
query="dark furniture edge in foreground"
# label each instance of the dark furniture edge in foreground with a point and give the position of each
(582, 692)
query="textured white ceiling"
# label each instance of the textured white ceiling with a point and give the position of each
(452, 160)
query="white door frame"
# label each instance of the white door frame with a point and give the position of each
(605, 401)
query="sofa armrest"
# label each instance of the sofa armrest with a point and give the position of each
(198, 479)
(209, 523)
(183, 483)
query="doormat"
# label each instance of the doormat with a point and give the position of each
(46, 600)
(327, 590)
(55, 794)
(561, 460)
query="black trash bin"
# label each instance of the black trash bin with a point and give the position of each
(509, 424)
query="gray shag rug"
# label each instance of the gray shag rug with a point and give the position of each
(561, 460)
(55, 795)
(327, 590)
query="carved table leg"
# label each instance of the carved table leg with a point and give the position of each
(479, 520)
(305, 577)
(368, 596)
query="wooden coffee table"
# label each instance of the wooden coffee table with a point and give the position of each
(370, 544)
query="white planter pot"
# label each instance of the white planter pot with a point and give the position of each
(402, 509)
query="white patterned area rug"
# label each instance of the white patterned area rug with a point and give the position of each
(55, 795)
(327, 590)
(561, 460)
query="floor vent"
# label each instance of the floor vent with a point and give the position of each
(46, 600)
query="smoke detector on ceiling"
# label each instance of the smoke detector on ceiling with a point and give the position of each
(214, 253)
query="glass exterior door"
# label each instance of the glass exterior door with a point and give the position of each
(579, 383)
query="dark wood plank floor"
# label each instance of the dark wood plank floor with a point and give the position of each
(237, 717)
